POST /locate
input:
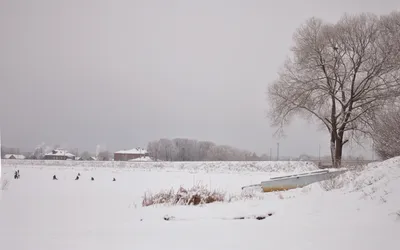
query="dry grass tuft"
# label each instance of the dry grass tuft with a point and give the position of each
(342, 180)
(247, 194)
(196, 195)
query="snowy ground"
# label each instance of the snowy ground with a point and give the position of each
(39, 213)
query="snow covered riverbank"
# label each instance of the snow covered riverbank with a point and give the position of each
(39, 213)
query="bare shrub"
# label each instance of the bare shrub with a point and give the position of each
(164, 196)
(342, 180)
(331, 184)
(247, 194)
(196, 195)
(387, 134)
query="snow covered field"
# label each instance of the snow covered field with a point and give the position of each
(39, 213)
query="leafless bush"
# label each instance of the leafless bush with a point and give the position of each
(387, 134)
(247, 194)
(164, 196)
(331, 184)
(196, 195)
(340, 181)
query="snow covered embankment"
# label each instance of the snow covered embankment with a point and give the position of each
(380, 182)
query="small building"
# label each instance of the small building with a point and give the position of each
(126, 155)
(59, 154)
(14, 157)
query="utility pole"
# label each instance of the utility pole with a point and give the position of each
(373, 152)
(270, 154)
(319, 152)
(1, 155)
(1, 190)
(277, 152)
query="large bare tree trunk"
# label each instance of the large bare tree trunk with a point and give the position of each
(338, 153)
(333, 149)
(336, 150)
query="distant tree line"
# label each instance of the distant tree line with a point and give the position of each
(182, 149)
(6, 150)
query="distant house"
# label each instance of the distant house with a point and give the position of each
(126, 155)
(14, 157)
(59, 154)
(142, 159)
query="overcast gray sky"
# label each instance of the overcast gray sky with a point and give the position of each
(121, 73)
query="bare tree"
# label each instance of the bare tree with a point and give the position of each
(228, 153)
(153, 148)
(85, 156)
(166, 149)
(4, 151)
(204, 147)
(386, 136)
(219, 153)
(40, 151)
(74, 151)
(182, 149)
(103, 155)
(339, 75)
